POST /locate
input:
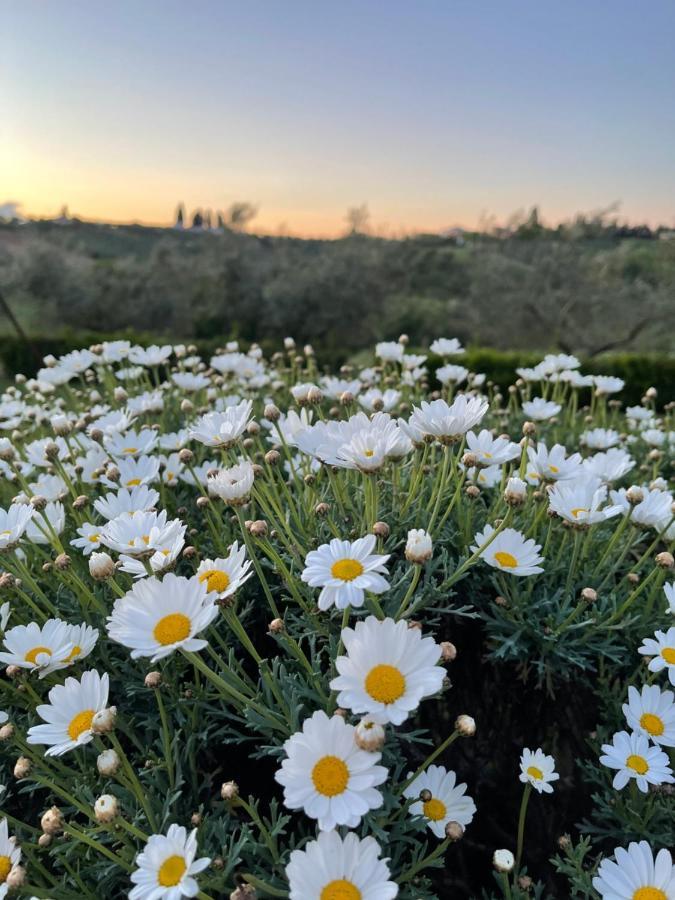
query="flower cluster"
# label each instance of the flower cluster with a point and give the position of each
(243, 569)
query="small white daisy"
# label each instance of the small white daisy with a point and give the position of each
(634, 757)
(336, 868)
(509, 551)
(636, 875)
(225, 576)
(155, 617)
(327, 775)
(69, 714)
(662, 650)
(89, 538)
(223, 429)
(538, 769)
(449, 801)
(233, 485)
(579, 501)
(389, 668)
(40, 648)
(539, 409)
(167, 866)
(127, 501)
(491, 451)
(10, 855)
(652, 711)
(13, 524)
(345, 570)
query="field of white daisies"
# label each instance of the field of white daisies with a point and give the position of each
(387, 632)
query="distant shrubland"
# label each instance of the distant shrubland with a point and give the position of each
(533, 290)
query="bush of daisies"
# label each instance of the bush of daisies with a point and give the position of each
(268, 631)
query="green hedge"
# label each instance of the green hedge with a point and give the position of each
(639, 371)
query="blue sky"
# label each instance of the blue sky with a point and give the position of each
(433, 113)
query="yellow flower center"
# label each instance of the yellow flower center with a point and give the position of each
(33, 654)
(649, 893)
(80, 723)
(554, 469)
(385, 684)
(74, 653)
(330, 776)
(487, 454)
(534, 772)
(341, 890)
(5, 866)
(668, 653)
(369, 453)
(216, 580)
(507, 560)
(146, 539)
(5, 533)
(434, 809)
(346, 569)
(171, 871)
(172, 628)
(130, 450)
(133, 482)
(578, 510)
(637, 763)
(94, 538)
(651, 723)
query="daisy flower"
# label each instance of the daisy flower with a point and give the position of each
(654, 510)
(448, 801)
(345, 570)
(189, 381)
(539, 409)
(89, 538)
(13, 524)
(634, 757)
(610, 465)
(448, 423)
(336, 868)
(39, 648)
(389, 351)
(375, 399)
(134, 471)
(165, 548)
(138, 535)
(508, 551)
(662, 648)
(451, 374)
(155, 617)
(70, 712)
(491, 451)
(167, 866)
(51, 519)
(10, 855)
(600, 438)
(233, 485)
(538, 769)
(669, 591)
(652, 711)
(138, 499)
(225, 576)
(579, 501)
(327, 775)
(150, 356)
(223, 429)
(131, 443)
(446, 347)
(551, 465)
(389, 668)
(83, 639)
(636, 875)
(608, 384)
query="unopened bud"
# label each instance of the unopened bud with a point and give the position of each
(665, 560)
(62, 562)
(106, 808)
(276, 626)
(258, 528)
(80, 502)
(22, 767)
(272, 457)
(7, 732)
(101, 566)
(108, 763)
(153, 679)
(104, 720)
(369, 735)
(381, 530)
(229, 791)
(52, 821)
(465, 725)
(38, 503)
(503, 860)
(588, 595)
(454, 832)
(448, 651)
(16, 877)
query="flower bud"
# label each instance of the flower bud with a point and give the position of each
(120, 394)
(515, 492)
(60, 425)
(108, 763)
(258, 528)
(271, 413)
(665, 560)
(448, 651)
(22, 767)
(52, 821)
(101, 566)
(419, 546)
(7, 732)
(588, 595)
(153, 679)
(38, 503)
(465, 725)
(454, 832)
(276, 626)
(229, 791)
(425, 795)
(244, 892)
(44, 840)
(369, 735)
(104, 720)
(106, 808)
(62, 562)
(529, 428)
(16, 877)
(503, 860)
(80, 502)
(381, 530)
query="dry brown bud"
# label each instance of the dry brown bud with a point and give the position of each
(381, 530)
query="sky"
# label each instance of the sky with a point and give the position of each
(435, 113)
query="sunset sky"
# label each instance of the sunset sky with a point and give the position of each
(432, 113)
